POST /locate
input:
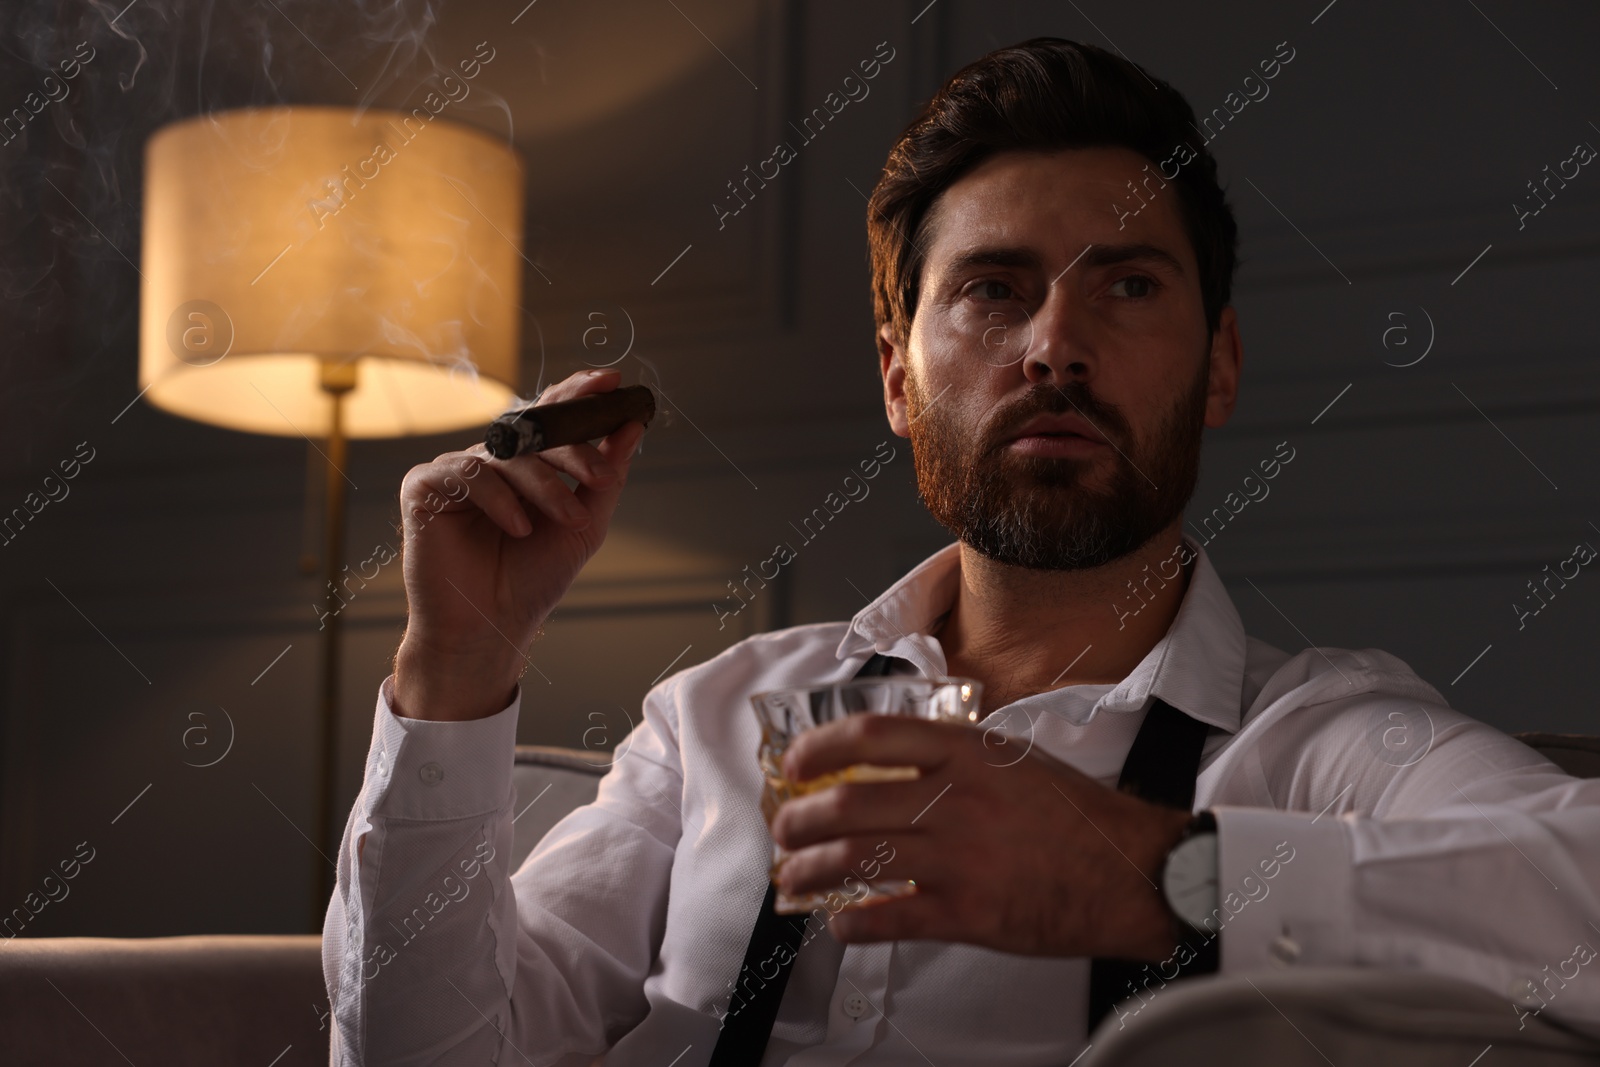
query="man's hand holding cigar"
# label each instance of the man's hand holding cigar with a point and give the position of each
(491, 547)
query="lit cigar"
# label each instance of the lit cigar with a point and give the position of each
(567, 422)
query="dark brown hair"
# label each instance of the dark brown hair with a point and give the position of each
(1045, 93)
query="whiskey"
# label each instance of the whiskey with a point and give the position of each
(778, 788)
(786, 713)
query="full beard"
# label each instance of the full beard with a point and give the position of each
(1037, 511)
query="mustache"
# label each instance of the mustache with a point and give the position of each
(1048, 399)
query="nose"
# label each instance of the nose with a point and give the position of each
(1060, 349)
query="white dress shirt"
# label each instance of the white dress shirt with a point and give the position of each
(1360, 821)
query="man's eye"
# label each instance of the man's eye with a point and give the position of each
(984, 291)
(1142, 286)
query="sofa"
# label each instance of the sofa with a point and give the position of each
(260, 1000)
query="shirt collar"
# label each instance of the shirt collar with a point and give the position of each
(1197, 666)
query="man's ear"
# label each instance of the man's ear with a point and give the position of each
(1227, 355)
(891, 364)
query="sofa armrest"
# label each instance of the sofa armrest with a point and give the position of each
(1315, 1016)
(169, 1000)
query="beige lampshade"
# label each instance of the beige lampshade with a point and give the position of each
(285, 245)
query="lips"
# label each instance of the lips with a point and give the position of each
(1064, 425)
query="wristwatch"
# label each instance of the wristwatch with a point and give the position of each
(1189, 873)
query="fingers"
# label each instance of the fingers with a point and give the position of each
(614, 454)
(443, 485)
(457, 481)
(884, 740)
(847, 863)
(534, 477)
(914, 895)
(582, 383)
(856, 809)
(498, 500)
(600, 480)
(583, 461)
(539, 483)
(914, 917)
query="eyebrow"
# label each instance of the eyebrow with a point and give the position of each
(1098, 255)
(1111, 255)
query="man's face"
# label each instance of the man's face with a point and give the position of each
(1048, 292)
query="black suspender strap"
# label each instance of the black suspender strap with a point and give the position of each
(1161, 767)
(774, 943)
(757, 991)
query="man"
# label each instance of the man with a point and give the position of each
(1051, 269)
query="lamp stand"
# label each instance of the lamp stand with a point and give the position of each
(337, 380)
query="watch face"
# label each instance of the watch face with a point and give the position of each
(1190, 878)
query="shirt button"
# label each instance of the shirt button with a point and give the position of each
(431, 773)
(855, 1005)
(1284, 951)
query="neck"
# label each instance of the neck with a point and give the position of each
(1021, 631)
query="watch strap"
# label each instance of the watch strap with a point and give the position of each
(1161, 767)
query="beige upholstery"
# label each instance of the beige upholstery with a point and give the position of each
(550, 782)
(87, 1001)
(180, 1001)
(1345, 1016)
(219, 1000)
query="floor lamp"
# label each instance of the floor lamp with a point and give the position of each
(331, 274)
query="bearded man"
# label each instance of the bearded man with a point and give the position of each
(1051, 269)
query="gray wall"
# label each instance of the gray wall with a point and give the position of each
(151, 600)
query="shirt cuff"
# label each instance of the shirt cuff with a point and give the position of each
(435, 771)
(1284, 889)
